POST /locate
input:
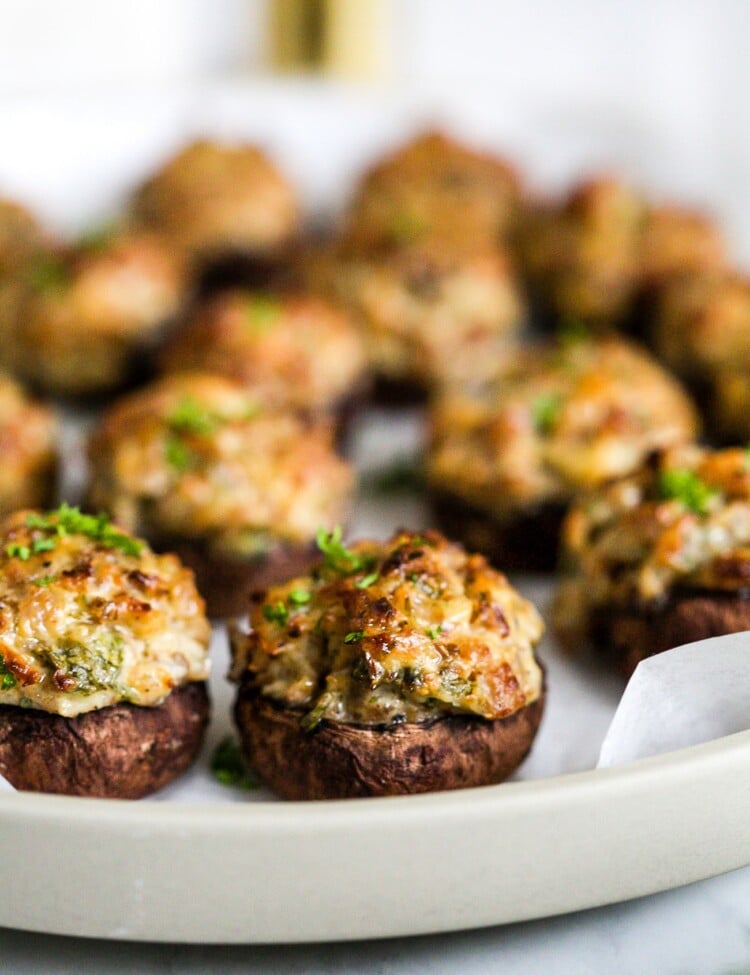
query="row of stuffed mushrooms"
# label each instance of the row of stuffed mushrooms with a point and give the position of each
(377, 667)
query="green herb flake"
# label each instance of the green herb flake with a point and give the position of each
(48, 275)
(366, 581)
(42, 545)
(299, 597)
(406, 227)
(228, 765)
(684, 485)
(354, 637)
(434, 632)
(545, 411)
(178, 454)
(44, 581)
(7, 679)
(336, 555)
(17, 551)
(190, 417)
(68, 520)
(262, 313)
(276, 613)
(96, 238)
(572, 331)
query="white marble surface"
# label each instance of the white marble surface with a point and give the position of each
(702, 929)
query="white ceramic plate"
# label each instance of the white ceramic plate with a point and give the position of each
(197, 867)
(274, 872)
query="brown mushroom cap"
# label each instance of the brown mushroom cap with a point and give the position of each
(118, 752)
(339, 760)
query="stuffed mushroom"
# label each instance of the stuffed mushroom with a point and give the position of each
(508, 456)
(658, 559)
(702, 331)
(392, 667)
(601, 254)
(23, 241)
(217, 202)
(436, 189)
(292, 351)
(103, 658)
(92, 313)
(428, 313)
(198, 466)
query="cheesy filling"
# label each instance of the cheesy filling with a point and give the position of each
(381, 633)
(556, 419)
(681, 523)
(91, 617)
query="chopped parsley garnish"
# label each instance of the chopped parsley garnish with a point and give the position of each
(545, 411)
(44, 581)
(262, 313)
(336, 555)
(682, 484)
(7, 679)
(96, 238)
(299, 597)
(354, 637)
(67, 520)
(48, 275)
(366, 581)
(572, 330)
(406, 227)
(228, 765)
(276, 613)
(17, 551)
(177, 453)
(434, 632)
(190, 417)
(42, 545)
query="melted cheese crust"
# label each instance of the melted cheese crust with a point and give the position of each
(557, 419)
(244, 474)
(626, 545)
(212, 197)
(83, 626)
(291, 351)
(419, 630)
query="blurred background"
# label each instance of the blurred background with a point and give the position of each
(656, 87)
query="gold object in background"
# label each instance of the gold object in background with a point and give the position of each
(345, 38)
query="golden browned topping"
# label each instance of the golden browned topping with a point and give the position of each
(679, 241)
(583, 254)
(86, 309)
(28, 433)
(213, 197)
(703, 323)
(434, 188)
(295, 350)
(195, 455)
(591, 255)
(558, 418)
(405, 630)
(429, 313)
(90, 616)
(681, 522)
